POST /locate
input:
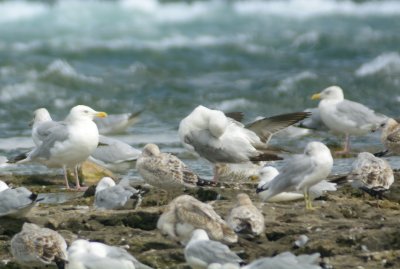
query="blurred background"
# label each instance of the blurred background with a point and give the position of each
(167, 57)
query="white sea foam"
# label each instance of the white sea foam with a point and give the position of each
(290, 83)
(64, 69)
(388, 62)
(235, 104)
(21, 10)
(312, 8)
(14, 91)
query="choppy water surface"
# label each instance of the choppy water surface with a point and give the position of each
(259, 57)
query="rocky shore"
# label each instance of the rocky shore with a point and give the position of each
(348, 228)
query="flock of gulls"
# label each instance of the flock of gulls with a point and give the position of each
(222, 139)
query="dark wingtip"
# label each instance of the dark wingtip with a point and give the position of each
(381, 153)
(18, 158)
(258, 190)
(237, 116)
(205, 182)
(33, 196)
(135, 114)
(60, 263)
(265, 157)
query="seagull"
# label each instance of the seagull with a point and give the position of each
(346, 117)
(391, 136)
(115, 155)
(185, 213)
(37, 247)
(111, 196)
(301, 172)
(287, 260)
(371, 174)
(221, 139)
(201, 251)
(83, 254)
(16, 202)
(67, 143)
(268, 173)
(117, 123)
(164, 170)
(245, 217)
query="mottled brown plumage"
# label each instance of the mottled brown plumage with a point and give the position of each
(185, 214)
(391, 136)
(35, 246)
(164, 170)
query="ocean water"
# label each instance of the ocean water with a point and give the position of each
(259, 57)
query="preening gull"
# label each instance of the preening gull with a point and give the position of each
(287, 260)
(111, 196)
(391, 136)
(117, 123)
(346, 117)
(164, 170)
(115, 155)
(67, 143)
(15, 202)
(185, 214)
(268, 173)
(221, 139)
(371, 174)
(83, 254)
(301, 172)
(201, 251)
(245, 217)
(37, 247)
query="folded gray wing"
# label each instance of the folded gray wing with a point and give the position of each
(57, 133)
(359, 114)
(114, 151)
(122, 254)
(212, 252)
(114, 197)
(12, 200)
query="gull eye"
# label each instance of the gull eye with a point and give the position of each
(86, 111)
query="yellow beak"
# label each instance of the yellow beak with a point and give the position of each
(101, 114)
(316, 96)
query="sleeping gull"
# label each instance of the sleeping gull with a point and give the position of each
(69, 142)
(391, 136)
(237, 172)
(301, 172)
(245, 217)
(371, 174)
(164, 170)
(201, 251)
(287, 260)
(268, 173)
(115, 155)
(346, 117)
(111, 196)
(15, 202)
(185, 214)
(83, 254)
(117, 123)
(37, 247)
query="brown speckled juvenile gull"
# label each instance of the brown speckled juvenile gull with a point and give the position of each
(35, 246)
(391, 136)
(185, 213)
(164, 170)
(245, 217)
(371, 174)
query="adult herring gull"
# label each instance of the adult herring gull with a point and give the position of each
(346, 117)
(301, 172)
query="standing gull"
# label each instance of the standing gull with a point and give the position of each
(201, 251)
(268, 173)
(185, 213)
(83, 254)
(164, 170)
(371, 174)
(218, 138)
(346, 117)
(111, 196)
(69, 142)
(15, 202)
(35, 246)
(245, 217)
(301, 172)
